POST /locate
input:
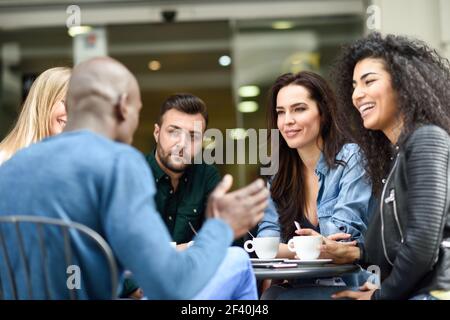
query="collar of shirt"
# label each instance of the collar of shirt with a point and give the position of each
(322, 166)
(159, 174)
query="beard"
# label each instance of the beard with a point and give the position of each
(171, 164)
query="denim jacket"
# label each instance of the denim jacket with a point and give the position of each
(344, 202)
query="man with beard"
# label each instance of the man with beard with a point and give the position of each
(182, 186)
(89, 174)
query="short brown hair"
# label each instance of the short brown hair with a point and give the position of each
(186, 103)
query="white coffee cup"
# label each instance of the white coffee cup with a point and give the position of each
(265, 247)
(306, 247)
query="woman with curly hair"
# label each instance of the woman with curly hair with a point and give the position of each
(394, 101)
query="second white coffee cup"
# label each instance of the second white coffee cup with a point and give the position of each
(306, 247)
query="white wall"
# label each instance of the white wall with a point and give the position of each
(445, 26)
(428, 20)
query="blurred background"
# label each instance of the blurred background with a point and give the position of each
(226, 52)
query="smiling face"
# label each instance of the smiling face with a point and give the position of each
(298, 117)
(375, 98)
(179, 139)
(58, 118)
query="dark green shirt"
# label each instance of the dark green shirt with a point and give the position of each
(188, 203)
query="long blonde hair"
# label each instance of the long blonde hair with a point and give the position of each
(34, 120)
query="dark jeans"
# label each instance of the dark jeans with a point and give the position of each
(302, 292)
(308, 289)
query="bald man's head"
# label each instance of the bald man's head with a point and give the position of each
(104, 90)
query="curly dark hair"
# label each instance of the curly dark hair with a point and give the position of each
(421, 79)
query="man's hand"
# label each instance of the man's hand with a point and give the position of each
(241, 209)
(340, 252)
(365, 292)
(184, 246)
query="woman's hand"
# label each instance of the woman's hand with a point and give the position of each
(365, 292)
(334, 237)
(307, 232)
(340, 252)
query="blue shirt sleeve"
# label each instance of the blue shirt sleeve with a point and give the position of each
(140, 240)
(269, 225)
(354, 202)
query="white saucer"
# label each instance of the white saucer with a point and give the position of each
(257, 260)
(316, 261)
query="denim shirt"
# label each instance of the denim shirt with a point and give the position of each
(344, 202)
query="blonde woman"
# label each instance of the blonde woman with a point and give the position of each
(43, 113)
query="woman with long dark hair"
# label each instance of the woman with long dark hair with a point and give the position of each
(320, 181)
(394, 99)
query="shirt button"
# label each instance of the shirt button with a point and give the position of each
(167, 178)
(383, 181)
(185, 179)
(171, 191)
(170, 218)
(156, 180)
(195, 210)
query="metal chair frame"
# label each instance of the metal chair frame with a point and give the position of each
(39, 222)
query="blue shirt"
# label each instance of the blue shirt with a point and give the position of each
(83, 177)
(344, 202)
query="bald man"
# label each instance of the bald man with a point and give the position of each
(89, 174)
